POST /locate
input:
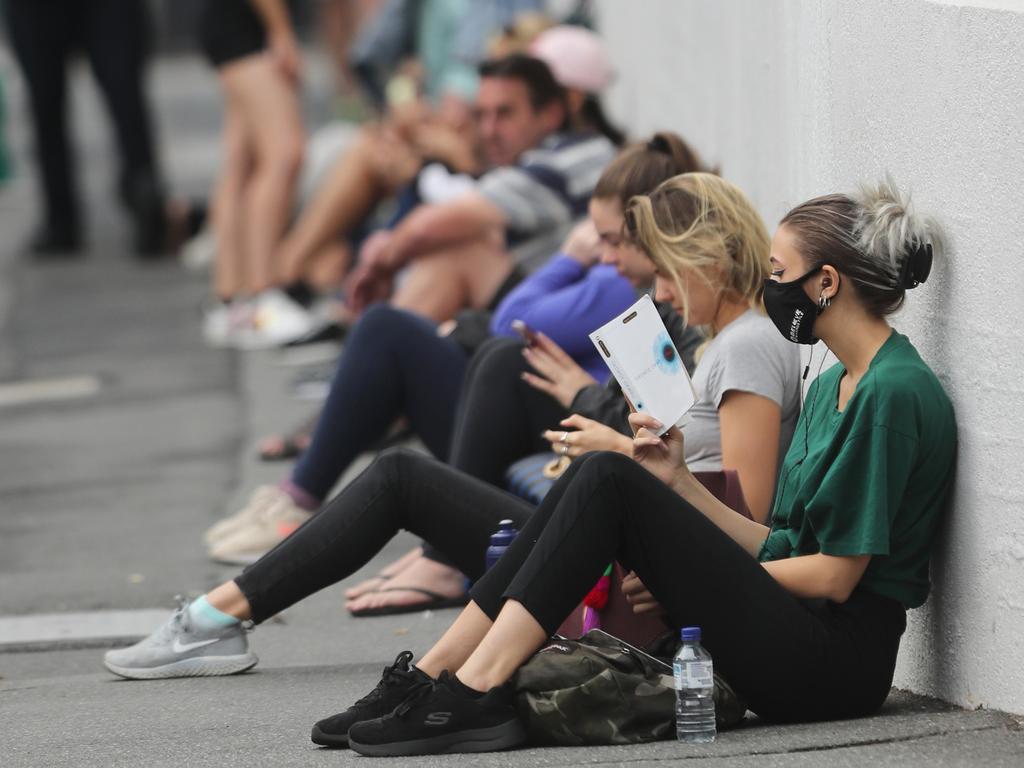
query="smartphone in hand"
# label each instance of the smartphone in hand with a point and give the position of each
(529, 335)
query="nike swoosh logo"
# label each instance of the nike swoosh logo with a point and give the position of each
(180, 647)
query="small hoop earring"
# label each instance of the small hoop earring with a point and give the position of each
(824, 302)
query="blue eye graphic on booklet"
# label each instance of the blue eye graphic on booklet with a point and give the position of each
(641, 356)
(665, 355)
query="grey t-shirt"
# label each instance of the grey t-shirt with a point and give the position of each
(749, 355)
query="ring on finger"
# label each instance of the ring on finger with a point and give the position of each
(565, 449)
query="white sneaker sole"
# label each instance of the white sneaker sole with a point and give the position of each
(212, 538)
(242, 558)
(200, 666)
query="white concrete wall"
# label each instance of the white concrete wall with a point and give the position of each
(796, 98)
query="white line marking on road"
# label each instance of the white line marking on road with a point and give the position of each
(91, 625)
(48, 390)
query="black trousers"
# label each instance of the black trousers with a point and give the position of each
(791, 659)
(400, 490)
(114, 35)
(499, 418)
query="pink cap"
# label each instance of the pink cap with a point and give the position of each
(578, 58)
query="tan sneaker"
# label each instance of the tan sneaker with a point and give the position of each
(263, 530)
(261, 498)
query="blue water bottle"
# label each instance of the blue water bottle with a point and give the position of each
(499, 542)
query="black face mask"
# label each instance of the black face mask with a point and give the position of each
(791, 309)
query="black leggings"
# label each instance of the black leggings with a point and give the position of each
(400, 490)
(500, 417)
(791, 659)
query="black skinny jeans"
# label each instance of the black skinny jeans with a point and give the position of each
(400, 490)
(791, 659)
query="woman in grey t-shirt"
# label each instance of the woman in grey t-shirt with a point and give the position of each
(747, 357)
(712, 263)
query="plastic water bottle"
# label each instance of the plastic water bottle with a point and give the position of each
(695, 686)
(500, 540)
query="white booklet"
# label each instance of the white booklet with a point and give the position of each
(642, 358)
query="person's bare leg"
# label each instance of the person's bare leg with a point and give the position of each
(228, 275)
(421, 573)
(342, 200)
(327, 268)
(389, 571)
(438, 285)
(228, 598)
(274, 120)
(511, 640)
(458, 643)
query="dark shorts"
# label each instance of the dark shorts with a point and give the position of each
(230, 30)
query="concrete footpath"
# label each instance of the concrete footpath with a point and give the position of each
(103, 495)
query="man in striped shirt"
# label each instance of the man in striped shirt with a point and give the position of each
(465, 252)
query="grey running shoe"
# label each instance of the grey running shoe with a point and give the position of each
(178, 650)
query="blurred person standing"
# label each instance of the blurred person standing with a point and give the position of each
(115, 37)
(252, 45)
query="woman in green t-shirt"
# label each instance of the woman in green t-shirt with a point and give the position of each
(804, 617)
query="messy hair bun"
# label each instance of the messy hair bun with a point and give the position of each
(874, 237)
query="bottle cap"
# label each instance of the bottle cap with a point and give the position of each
(505, 534)
(690, 634)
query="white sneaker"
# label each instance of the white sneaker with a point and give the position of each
(198, 254)
(223, 323)
(263, 497)
(266, 527)
(276, 321)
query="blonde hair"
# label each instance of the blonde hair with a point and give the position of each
(696, 222)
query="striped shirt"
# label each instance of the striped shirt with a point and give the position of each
(546, 191)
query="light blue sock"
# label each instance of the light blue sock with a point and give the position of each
(205, 616)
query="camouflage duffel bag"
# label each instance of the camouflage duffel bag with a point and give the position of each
(601, 690)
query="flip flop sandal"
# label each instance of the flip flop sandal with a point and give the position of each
(288, 448)
(291, 445)
(379, 577)
(435, 602)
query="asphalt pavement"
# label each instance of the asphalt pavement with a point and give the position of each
(105, 489)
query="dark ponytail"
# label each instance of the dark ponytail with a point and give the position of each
(641, 167)
(592, 116)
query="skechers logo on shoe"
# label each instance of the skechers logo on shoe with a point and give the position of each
(438, 718)
(180, 647)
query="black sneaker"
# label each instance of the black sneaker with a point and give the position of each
(397, 682)
(442, 718)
